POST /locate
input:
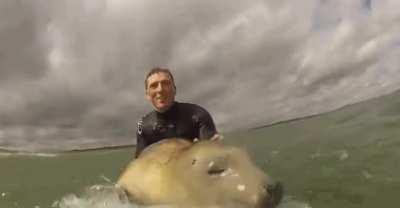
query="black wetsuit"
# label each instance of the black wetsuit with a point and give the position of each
(183, 120)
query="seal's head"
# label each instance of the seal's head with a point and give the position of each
(225, 176)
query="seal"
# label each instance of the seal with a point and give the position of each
(201, 174)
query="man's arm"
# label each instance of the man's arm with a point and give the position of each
(206, 125)
(140, 140)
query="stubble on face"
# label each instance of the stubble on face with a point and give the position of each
(160, 91)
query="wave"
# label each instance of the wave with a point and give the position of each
(112, 196)
(5, 152)
(29, 154)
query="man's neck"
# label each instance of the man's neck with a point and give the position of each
(166, 109)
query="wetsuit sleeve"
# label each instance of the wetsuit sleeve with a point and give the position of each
(206, 125)
(140, 140)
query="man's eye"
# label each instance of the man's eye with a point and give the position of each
(153, 86)
(166, 83)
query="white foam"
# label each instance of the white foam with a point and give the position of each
(241, 187)
(289, 202)
(111, 196)
(366, 174)
(30, 154)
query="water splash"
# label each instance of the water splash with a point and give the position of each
(96, 196)
(112, 196)
(290, 202)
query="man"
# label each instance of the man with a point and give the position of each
(170, 118)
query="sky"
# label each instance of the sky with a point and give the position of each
(71, 71)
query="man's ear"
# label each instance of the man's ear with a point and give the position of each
(174, 90)
(147, 96)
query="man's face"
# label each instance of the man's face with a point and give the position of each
(160, 91)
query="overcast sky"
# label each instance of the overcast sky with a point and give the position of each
(71, 71)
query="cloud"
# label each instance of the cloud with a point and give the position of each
(71, 72)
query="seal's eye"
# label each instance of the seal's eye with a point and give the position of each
(217, 166)
(215, 171)
(194, 161)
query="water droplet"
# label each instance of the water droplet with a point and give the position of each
(316, 155)
(55, 204)
(275, 152)
(366, 174)
(241, 187)
(343, 155)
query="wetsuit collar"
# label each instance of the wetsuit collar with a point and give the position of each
(170, 110)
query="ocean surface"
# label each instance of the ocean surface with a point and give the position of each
(343, 159)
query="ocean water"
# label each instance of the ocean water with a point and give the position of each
(84, 179)
(344, 159)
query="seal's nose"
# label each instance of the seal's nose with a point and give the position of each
(276, 193)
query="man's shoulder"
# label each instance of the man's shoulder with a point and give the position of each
(147, 117)
(191, 106)
(144, 122)
(194, 110)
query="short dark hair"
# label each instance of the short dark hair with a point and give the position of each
(159, 70)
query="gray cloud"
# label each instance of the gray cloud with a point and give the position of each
(22, 49)
(71, 72)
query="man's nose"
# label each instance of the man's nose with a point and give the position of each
(159, 87)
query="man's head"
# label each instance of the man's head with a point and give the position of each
(160, 88)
